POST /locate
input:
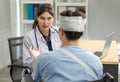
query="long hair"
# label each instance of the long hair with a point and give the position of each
(41, 9)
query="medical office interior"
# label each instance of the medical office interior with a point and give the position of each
(103, 17)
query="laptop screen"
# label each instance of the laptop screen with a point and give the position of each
(106, 48)
(108, 43)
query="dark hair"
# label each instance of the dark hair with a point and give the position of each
(70, 13)
(70, 34)
(82, 9)
(41, 9)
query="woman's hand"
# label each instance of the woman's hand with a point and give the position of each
(34, 52)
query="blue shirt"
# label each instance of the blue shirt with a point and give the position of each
(49, 41)
(57, 67)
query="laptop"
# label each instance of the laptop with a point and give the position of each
(106, 48)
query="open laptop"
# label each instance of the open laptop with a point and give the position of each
(107, 44)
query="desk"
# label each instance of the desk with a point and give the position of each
(110, 61)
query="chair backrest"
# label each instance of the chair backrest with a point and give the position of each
(16, 54)
(107, 77)
(16, 49)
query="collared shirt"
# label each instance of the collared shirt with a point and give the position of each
(57, 67)
(29, 40)
(49, 41)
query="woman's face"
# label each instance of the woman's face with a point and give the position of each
(45, 21)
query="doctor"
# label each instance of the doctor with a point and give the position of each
(43, 37)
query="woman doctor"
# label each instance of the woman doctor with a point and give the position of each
(43, 36)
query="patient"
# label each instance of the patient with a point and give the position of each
(58, 66)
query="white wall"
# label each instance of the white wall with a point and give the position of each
(5, 32)
(13, 18)
(103, 18)
(8, 28)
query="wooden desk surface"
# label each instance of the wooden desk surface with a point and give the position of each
(93, 45)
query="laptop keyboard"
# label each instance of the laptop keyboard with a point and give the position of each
(98, 53)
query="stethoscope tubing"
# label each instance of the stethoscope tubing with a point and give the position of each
(36, 38)
(36, 35)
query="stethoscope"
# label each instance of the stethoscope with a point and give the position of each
(36, 38)
(39, 31)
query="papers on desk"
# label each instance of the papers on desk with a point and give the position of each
(118, 50)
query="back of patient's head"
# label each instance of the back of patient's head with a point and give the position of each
(71, 23)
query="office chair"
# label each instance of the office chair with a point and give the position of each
(16, 54)
(107, 77)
